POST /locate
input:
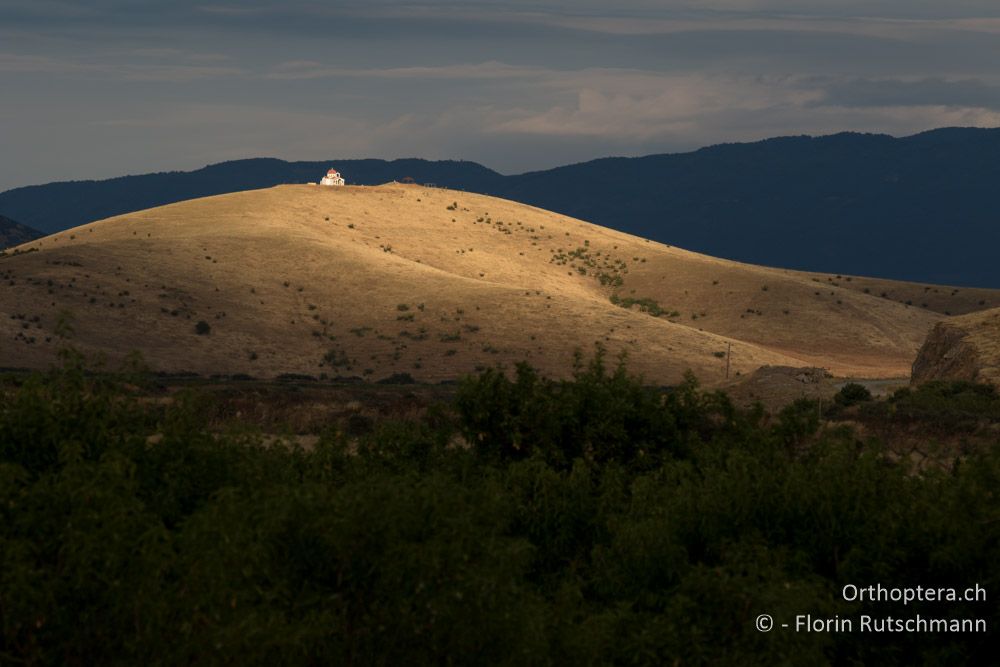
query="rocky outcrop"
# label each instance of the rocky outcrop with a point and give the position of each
(961, 348)
(777, 386)
(946, 355)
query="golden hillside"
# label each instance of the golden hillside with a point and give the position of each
(370, 281)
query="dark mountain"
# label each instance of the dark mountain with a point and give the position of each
(14, 233)
(922, 208)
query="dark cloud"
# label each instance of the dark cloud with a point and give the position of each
(107, 87)
(972, 93)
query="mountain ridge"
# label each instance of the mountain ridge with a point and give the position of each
(917, 208)
(13, 233)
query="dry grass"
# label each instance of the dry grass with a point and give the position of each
(392, 279)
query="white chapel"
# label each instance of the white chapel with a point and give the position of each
(332, 177)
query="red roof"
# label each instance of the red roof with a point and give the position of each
(333, 172)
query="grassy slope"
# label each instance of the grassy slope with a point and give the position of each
(352, 257)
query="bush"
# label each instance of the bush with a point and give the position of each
(940, 407)
(798, 421)
(592, 521)
(202, 328)
(600, 416)
(852, 393)
(646, 305)
(397, 378)
(336, 358)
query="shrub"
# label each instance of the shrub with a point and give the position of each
(852, 393)
(631, 526)
(336, 358)
(798, 421)
(646, 305)
(398, 378)
(940, 407)
(202, 328)
(598, 415)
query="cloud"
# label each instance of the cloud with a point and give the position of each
(309, 69)
(636, 107)
(910, 92)
(124, 66)
(34, 64)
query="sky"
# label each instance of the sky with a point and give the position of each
(103, 88)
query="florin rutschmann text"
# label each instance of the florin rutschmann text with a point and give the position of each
(904, 595)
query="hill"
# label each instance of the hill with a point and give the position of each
(962, 348)
(372, 281)
(56, 207)
(14, 233)
(917, 208)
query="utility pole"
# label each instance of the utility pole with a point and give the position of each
(729, 353)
